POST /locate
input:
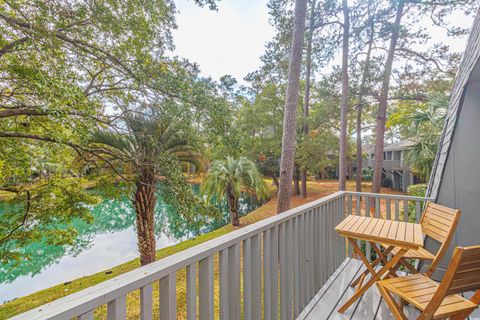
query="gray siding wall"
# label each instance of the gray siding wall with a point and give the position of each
(460, 184)
(469, 61)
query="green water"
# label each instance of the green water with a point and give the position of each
(110, 240)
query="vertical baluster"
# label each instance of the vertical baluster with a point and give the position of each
(335, 236)
(325, 238)
(223, 283)
(331, 233)
(418, 211)
(192, 292)
(256, 277)
(234, 282)
(350, 252)
(368, 251)
(247, 281)
(168, 297)
(274, 243)
(358, 210)
(340, 241)
(289, 240)
(205, 283)
(296, 270)
(308, 280)
(389, 208)
(283, 271)
(367, 206)
(302, 259)
(267, 272)
(316, 246)
(397, 210)
(117, 309)
(377, 207)
(322, 245)
(329, 237)
(312, 254)
(86, 316)
(146, 302)
(405, 210)
(350, 204)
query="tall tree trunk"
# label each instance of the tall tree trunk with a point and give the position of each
(344, 101)
(308, 62)
(296, 180)
(358, 179)
(291, 104)
(233, 207)
(383, 102)
(144, 203)
(363, 90)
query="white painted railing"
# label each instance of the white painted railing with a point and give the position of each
(283, 260)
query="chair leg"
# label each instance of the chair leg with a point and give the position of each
(461, 315)
(408, 266)
(394, 307)
(475, 299)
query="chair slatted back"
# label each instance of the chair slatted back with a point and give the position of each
(439, 223)
(466, 272)
(462, 275)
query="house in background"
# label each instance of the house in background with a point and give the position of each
(396, 171)
(455, 179)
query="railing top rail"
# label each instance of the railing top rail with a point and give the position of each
(389, 196)
(102, 293)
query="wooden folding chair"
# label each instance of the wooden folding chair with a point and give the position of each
(438, 223)
(438, 300)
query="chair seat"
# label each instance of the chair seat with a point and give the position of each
(420, 253)
(418, 290)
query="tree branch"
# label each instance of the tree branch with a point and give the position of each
(5, 49)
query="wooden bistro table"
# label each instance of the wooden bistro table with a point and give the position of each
(390, 234)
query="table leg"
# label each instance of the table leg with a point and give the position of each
(362, 257)
(375, 276)
(381, 257)
(384, 255)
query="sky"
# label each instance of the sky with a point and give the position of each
(228, 41)
(232, 39)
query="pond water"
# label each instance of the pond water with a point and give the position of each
(110, 240)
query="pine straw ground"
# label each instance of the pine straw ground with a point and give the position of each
(316, 190)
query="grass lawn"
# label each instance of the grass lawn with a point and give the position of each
(316, 189)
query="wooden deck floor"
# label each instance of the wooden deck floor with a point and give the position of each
(337, 290)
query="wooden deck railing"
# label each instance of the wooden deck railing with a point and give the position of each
(283, 261)
(384, 206)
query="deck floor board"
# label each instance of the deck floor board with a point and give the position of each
(337, 290)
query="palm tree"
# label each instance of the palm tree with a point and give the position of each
(151, 149)
(226, 178)
(427, 125)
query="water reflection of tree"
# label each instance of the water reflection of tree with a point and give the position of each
(110, 215)
(114, 215)
(174, 225)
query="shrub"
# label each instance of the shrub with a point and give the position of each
(367, 174)
(415, 190)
